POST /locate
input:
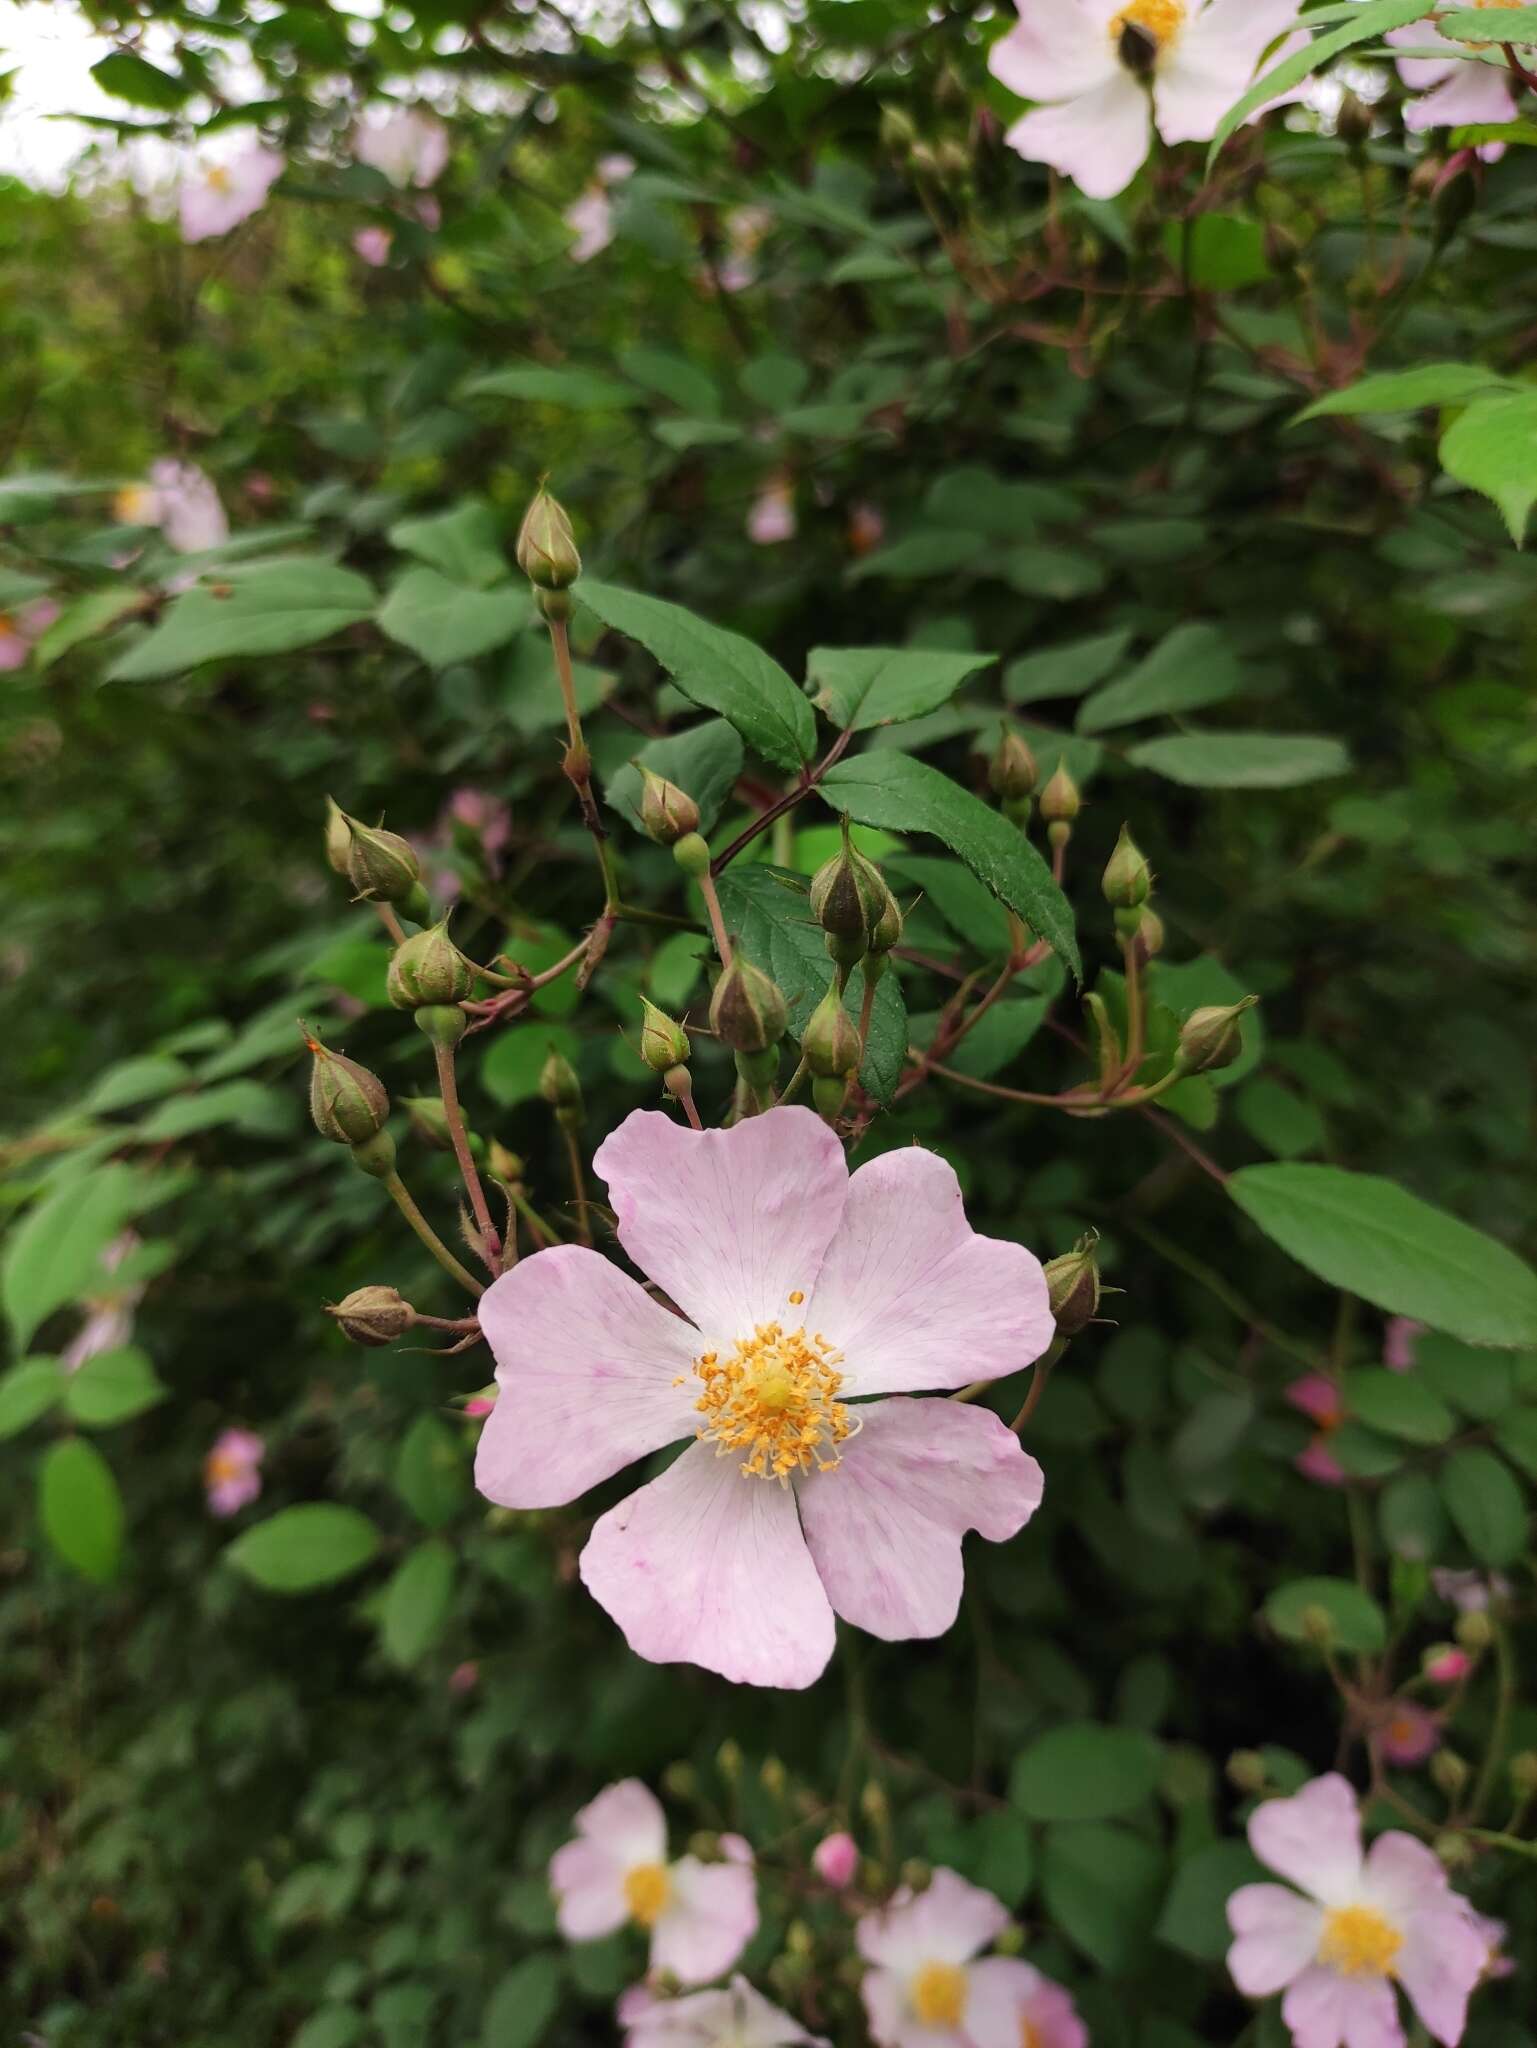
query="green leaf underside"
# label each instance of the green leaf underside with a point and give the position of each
(861, 687)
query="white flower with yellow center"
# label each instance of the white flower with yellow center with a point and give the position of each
(218, 195)
(1106, 72)
(1356, 1927)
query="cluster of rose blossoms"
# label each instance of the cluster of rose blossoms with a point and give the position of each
(1346, 1932)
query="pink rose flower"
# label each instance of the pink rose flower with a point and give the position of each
(924, 1989)
(835, 1859)
(1013, 2006)
(109, 1320)
(232, 1471)
(772, 517)
(1469, 1592)
(1445, 1664)
(1456, 91)
(1354, 1926)
(374, 245)
(700, 1916)
(807, 1290)
(221, 195)
(409, 145)
(1398, 1340)
(1319, 1464)
(737, 1849)
(22, 629)
(1409, 1733)
(591, 219)
(737, 2017)
(1318, 1397)
(1091, 63)
(464, 1677)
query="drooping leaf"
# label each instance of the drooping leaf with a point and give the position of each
(1486, 1504)
(300, 1549)
(1192, 666)
(1492, 448)
(252, 609)
(445, 622)
(1065, 671)
(430, 1474)
(416, 1600)
(546, 384)
(861, 687)
(80, 1508)
(53, 1255)
(1242, 760)
(1407, 390)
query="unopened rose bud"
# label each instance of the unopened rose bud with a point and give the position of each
(429, 969)
(773, 1777)
(503, 1165)
(1072, 1285)
(917, 1873)
(835, 1859)
(347, 1102)
(1445, 1664)
(1150, 934)
(1247, 1772)
(667, 813)
(1060, 805)
(381, 866)
(887, 934)
(873, 1803)
(1213, 1038)
(373, 1315)
(1449, 1773)
(1455, 1852)
(848, 900)
(680, 1781)
(692, 853)
(1128, 880)
(1523, 1773)
(1011, 1942)
(747, 1011)
(663, 1044)
(728, 1760)
(428, 1119)
(1474, 1630)
(561, 1089)
(338, 837)
(546, 550)
(1012, 773)
(897, 130)
(830, 1041)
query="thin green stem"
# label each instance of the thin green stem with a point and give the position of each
(578, 1183)
(1504, 1706)
(396, 1189)
(792, 1086)
(717, 922)
(1218, 1286)
(448, 1088)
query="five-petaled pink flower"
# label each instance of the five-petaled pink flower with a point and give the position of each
(181, 500)
(1446, 1664)
(700, 1916)
(1319, 1397)
(1457, 90)
(408, 145)
(737, 2017)
(1108, 72)
(232, 1471)
(1356, 1926)
(806, 1289)
(20, 629)
(219, 196)
(1408, 1733)
(771, 517)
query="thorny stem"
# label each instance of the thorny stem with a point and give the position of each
(578, 1184)
(396, 1189)
(448, 1088)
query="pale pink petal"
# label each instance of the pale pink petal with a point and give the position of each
(1010, 2003)
(1277, 1934)
(705, 1566)
(732, 1222)
(218, 197)
(409, 146)
(711, 1915)
(588, 1882)
(1207, 72)
(885, 1525)
(1319, 1464)
(737, 1849)
(373, 245)
(1400, 1337)
(1051, 2015)
(628, 1819)
(1325, 2010)
(949, 1922)
(1316, 1395)
(913, 1297)
(1421, 73)
(1099, 140)
(1314, 1838)
(706, 2019)
(13, 649)
(1443, 1957)
(1474, 92)
(591, 219)
(588, 1369)
(634, 2003)
(1056, 51)
(893, 2023)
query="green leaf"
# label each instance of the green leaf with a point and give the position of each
(704, 761)
(1477, 1383)
(113, 1387)
(720, 671)
(430, 1474)
(1285, 1123)
(774, 382)
(1194, 1916)
(254, 609)
(444, 622)
(1399, 1404)
(1515, 1434)
(1474, 134)
(1220, 252)
(417, 1600)
(466, 543)
(1413, 1521)
(133, 1081)
(247, 1106)
(521, 2007)
(1472, 25)
(27, 1391)
(1407, 390)
(509, 1073)
(299, 1549)
(84, 619)
(334, 2026)
(767, 911)
(674, 377)
(1366, 23)
(1492, 447)
(905, 795)
(1103, 1887)
(540, 384)
(972, 912)
(1374, 1239)
(993, 1043)
(940, 552)
(80, 1508)
(1065, 671)
(1358, 1620)
(861, 687)
(141, 83)
(53, 1255)
(1191, 666)
(1242, 760)
(1206, 982)
(1486, 1505)
(1085, 1770)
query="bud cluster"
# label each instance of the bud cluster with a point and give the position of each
(859, 916)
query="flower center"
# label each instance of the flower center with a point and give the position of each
(939, 1994)
(1160, 19)
(1030, 2035)
(1358, 1942)
(224, 1465)
(647, 1888)
(773, 1399)
(219, 178)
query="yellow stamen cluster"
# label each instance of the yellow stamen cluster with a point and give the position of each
(939, 1994)
(1358, 1942)
(773, 1400)
(1029, 2034)
(647, 1889)
(218, 178)
(222, 1466)
(1162, 19)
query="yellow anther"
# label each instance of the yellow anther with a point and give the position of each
(797, 1298)
(1358, 1942)
(939, 1994)
(647, 1888)
(1162, 19)
(773, 1401)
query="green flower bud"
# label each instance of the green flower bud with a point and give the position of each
(347, 1102)
(830, 1041)
(663, 1044)
(338, 837)
(827, 1093)
(1449, 1773)
(1455, 1852)
(429, 968)
(375, 1156)
(561, 1089)
(1128, 880)
(1247, 1771)
(373, 1315)
(692, 853)
(1150, 934)
(443, 1023)
(1213, 1038)
(1012, 773)
(381, 866)
(1060, 801)
(667, 813)
(428, 1119)
(1523, 1773)
(503, 1165)
(546, 548)
(850, 901)
(747, 1011)
(1072, 1285)
(728, 1760)
(1474, 1630)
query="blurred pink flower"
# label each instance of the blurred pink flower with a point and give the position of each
(109, 1323)
(591, 219)
(1409, 1733)
(1457, 90)
(21, 629)
(374, 245)
(1469, 1592)
(1398, 1340)
(1492, 1934)
(479, 1405)
(737, 1849)
(464, 1677)
(746, 228)
(835, 1859)
(219, 196)
(1446, 1664)
(232, 1471)
(1319, 1397)
(1013, 2006)
(772, 516)
(181, 500)
(924, 1984)
(1319, 1463)
(484, 816)
(736, 2016)
(867, 529)
(409, 145)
